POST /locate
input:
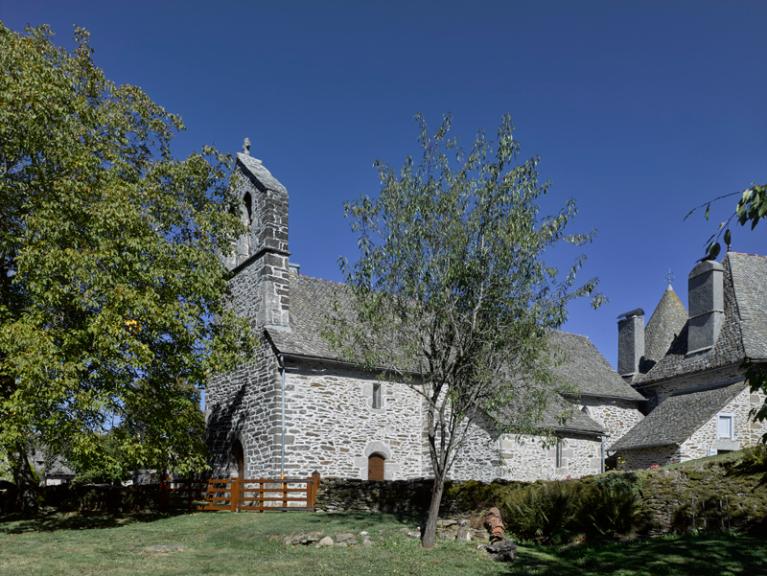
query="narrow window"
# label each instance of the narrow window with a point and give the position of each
(559, 453)
(725, 426)
(247, 215)
(377, 395)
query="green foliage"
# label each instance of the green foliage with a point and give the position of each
(111, 293)
(604, 507)
(610, 506)
(451, 290)
(544, 512)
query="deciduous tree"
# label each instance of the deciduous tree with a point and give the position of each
(111, 293)
(451, 292)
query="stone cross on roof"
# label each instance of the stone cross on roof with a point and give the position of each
(246, 146)
(669, 277)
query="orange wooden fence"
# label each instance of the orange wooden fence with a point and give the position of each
(244, 494)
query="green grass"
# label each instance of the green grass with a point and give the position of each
(249, 543)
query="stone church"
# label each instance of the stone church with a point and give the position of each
(296, 406)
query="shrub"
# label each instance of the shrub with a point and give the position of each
(544, 511)
(610, 506)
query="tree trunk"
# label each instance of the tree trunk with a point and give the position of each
(429, 534)
(24, 478)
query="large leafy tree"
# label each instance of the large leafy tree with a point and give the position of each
(451, 292)
(110, 289)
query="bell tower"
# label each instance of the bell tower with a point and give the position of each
(259, 262)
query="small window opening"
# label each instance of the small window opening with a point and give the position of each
(247, 215)
(377, 395)
(725, 429)
(559, 462)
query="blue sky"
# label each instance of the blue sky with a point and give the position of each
(638, 110)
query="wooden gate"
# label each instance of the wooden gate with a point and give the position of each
(261, 494)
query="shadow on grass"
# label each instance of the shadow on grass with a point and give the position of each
(716, 554)
(16, 524)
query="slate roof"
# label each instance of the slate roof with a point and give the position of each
(562, 416)
(744, 330)
(579, 363)
(583, 368)
(311, 301)
(677, 418)
(666, 323)
(261, 172)
(749, 276)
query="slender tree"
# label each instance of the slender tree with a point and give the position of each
(111, 293)
(451, 293)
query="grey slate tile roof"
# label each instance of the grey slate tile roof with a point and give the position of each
(677, 418)
(743, 333)
(560, 415)
(749, 276)
(261, 172)
(580, 364)
(583, 368)
(666, 323)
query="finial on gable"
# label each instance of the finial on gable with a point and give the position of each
(669, 279)
(246, 146)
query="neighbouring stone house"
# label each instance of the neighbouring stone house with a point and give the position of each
(297, 406)
(690, 367)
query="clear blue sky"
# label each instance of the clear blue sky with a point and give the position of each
(639, 110)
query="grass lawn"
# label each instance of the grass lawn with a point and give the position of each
(248, 543)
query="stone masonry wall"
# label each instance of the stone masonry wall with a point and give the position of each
(643, 458)
(705, 442)
(333, 428)
(616, 416)
(659, 392)
(479, 456)
(528, 458)
(756, 429)
(244, 405)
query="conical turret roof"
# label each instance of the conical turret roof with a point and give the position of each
(666, 323)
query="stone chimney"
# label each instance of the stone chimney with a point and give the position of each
(706, 304)
(260, 283)
(630, 342)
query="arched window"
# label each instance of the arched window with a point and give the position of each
(247, 213)
(376, 464)
(238, 458)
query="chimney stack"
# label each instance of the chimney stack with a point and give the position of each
(706, 303)
(630, 342)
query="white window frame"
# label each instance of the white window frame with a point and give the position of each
(721, 416)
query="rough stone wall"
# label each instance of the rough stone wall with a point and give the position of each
(705, 442)
(689, 383)
(479, 456)
(642, 458)
(332, 427)
(244, 405)
(528, 458)
(616, 416)
(260, 287)
(756, 429)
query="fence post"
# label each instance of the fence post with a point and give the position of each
(312, 496)
(234, 493)
(164, 496)
(284, 493)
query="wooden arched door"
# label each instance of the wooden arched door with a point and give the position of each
(376, 463)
